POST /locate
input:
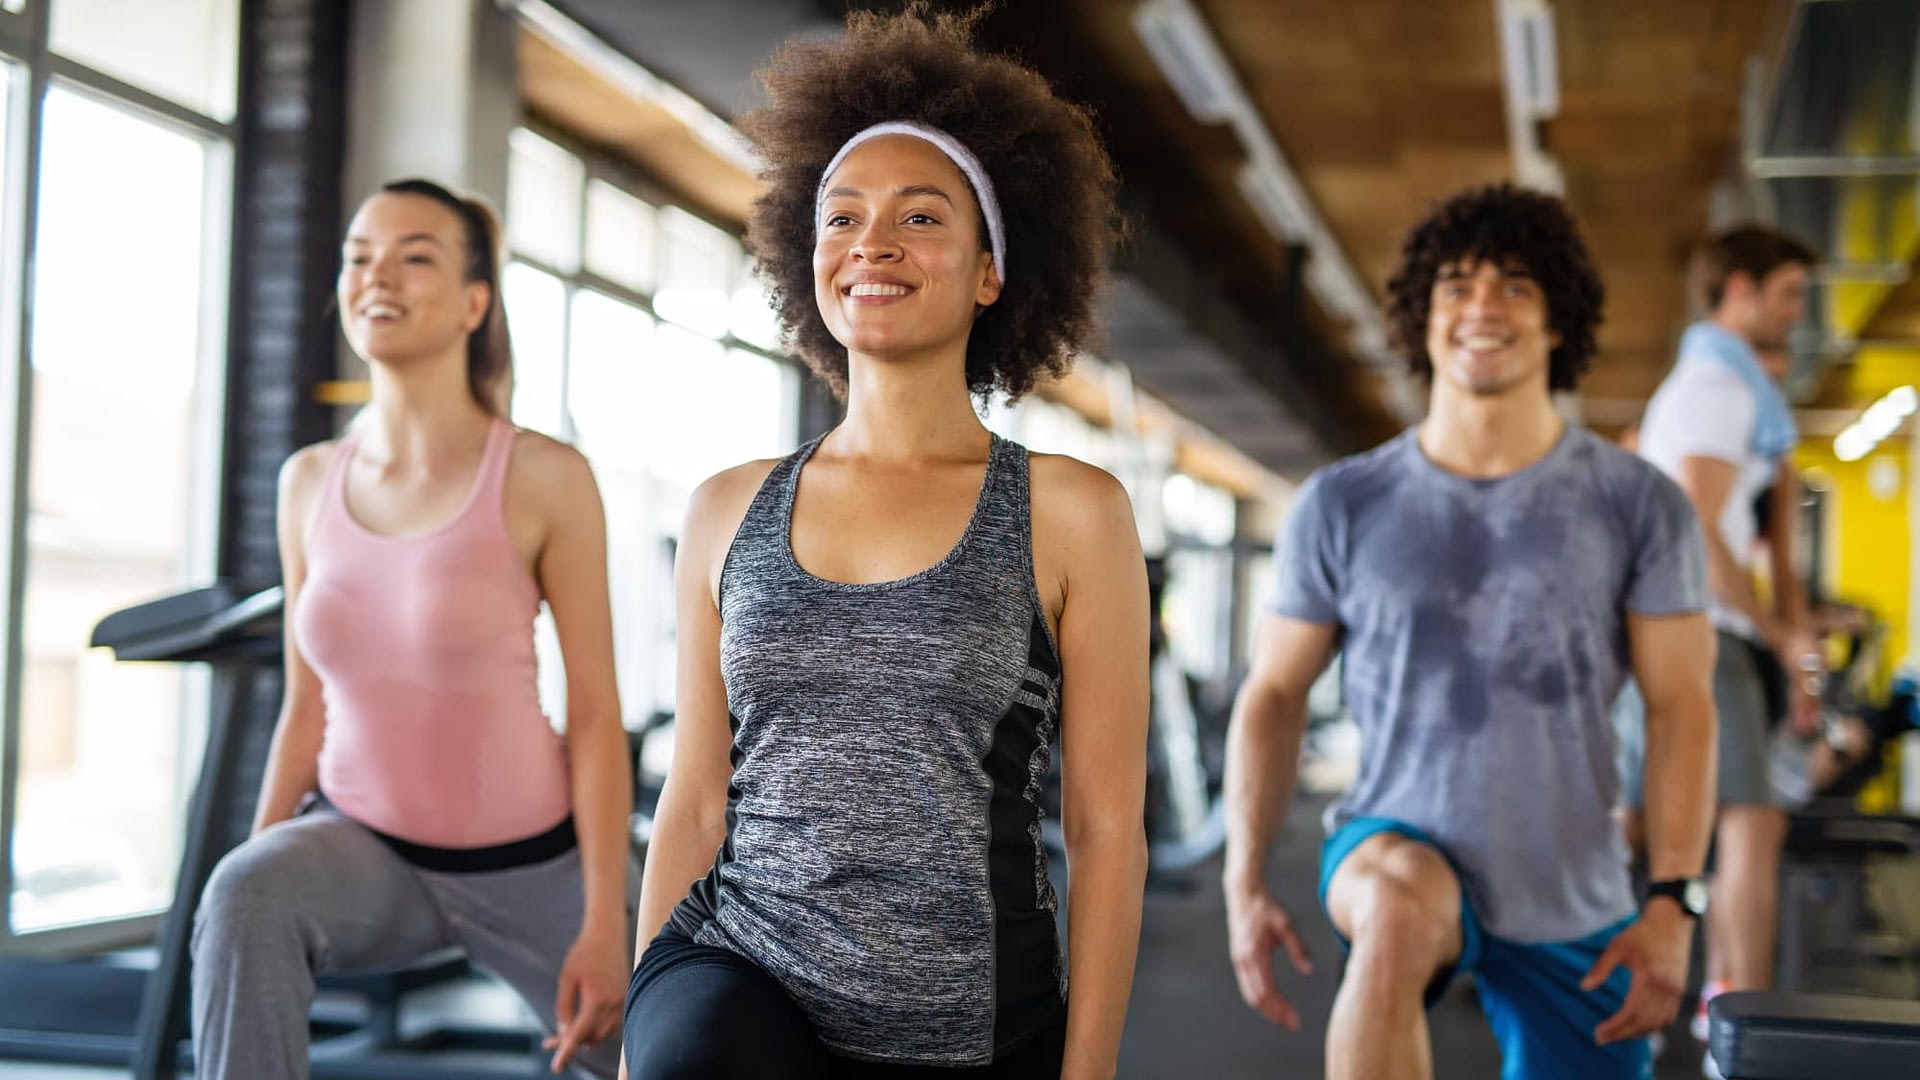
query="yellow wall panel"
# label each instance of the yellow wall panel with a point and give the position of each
(1878, 369)
(1869, 562)
(1869, 539)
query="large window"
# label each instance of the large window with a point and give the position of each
(640, 337)
(115, 436)
(1184, 520)
(182, 50)
(1197, 607)
(1047, 428)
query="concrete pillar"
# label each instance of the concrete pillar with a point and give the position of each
(432, 93)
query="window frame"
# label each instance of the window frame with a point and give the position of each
(617, 175)
(598, 167)
(36, 70)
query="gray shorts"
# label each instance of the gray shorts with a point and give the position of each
(1750, 709)
(1751, 705)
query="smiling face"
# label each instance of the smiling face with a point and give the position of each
(899, 267)
(403, 291)
(1487, 331)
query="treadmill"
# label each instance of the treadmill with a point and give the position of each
(138, 1017)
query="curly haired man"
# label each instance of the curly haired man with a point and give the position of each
(1491, 577)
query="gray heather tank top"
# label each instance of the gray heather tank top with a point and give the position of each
(883, 859)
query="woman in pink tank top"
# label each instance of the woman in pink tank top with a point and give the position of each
(416, 796)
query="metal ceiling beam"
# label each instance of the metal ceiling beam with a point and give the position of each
(1284, 357)
(1813, 166)
(1873, 273)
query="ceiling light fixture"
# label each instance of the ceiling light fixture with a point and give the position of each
(1878, 423)
(1530, 79)
(1176, 36)
(1277, 200)
(1177, 39)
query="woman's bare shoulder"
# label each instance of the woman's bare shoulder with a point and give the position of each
(720, 503)
(541, 456)
(306, 467)
(1068, 491)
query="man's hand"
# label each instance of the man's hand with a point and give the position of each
(1655, 948)
(591, 995)
(1256, 927)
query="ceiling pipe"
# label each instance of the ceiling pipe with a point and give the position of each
(1817, 166)
(1176, 36)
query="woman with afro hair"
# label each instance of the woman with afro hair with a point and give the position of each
(881, 635)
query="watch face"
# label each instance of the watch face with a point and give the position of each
(1694, 896)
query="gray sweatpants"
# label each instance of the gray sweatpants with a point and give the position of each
(322, 894)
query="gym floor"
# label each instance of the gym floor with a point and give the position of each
(1187, 1021)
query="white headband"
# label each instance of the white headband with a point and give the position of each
(962, 157)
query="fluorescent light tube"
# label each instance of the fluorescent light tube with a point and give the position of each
(1530, 81)
(1876, 424)
(1276, 202)
(1186, 55)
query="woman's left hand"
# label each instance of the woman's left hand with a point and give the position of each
(593, 988)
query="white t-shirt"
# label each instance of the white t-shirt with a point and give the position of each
(1705, 410)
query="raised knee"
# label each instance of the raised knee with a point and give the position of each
(244, 890)
(1395, 928)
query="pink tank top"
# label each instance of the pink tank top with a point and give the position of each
(424, 648)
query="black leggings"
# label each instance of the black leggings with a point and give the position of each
(697, 1012)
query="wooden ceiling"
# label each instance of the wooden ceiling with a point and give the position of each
(1384, 107)
(1649, 120)
(564, 93)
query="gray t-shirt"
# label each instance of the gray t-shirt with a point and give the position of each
(1483, 628)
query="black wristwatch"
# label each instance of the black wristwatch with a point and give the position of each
(1690, 893)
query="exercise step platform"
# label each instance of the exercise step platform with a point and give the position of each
(1763, 1035)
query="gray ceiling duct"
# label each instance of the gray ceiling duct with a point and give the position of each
(1836, 159)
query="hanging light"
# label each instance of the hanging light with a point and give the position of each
(1880, 420)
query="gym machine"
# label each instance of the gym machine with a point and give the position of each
(107, 1011)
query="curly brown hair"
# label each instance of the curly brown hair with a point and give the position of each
(1502, 223)
(1049, 170)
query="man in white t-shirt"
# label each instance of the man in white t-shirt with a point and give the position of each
(1722, 429)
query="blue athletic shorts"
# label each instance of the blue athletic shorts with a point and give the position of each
(1530, 992)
